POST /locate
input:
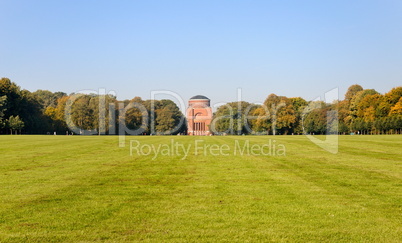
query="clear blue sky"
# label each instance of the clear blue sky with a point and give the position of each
(291, 48)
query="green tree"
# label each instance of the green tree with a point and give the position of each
(223, 119)
(168, 117)
(81, 114)
(99, 108)
(298, 105)
(260, 123)
(232, 118)
(13, 93)
(355, 102)
(3, 100)
(315, 121)
(47, 99)
(343, 116)
(55, 116)
(135, 116)
(282, 113)
(15, 124)
(31, 112)
(352, 91)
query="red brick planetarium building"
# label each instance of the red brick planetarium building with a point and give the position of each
(199, 116)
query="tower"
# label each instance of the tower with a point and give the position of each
(199, 116)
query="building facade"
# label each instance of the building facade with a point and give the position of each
(199, 116)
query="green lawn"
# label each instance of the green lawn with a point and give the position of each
(75, 188)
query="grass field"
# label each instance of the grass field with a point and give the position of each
(74, 188)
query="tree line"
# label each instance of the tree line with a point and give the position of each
(362, 111)
(45, 112)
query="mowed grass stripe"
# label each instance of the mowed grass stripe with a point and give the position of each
(106, 194)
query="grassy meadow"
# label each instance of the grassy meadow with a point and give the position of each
(87, 188)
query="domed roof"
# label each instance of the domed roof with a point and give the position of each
(199, 97)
